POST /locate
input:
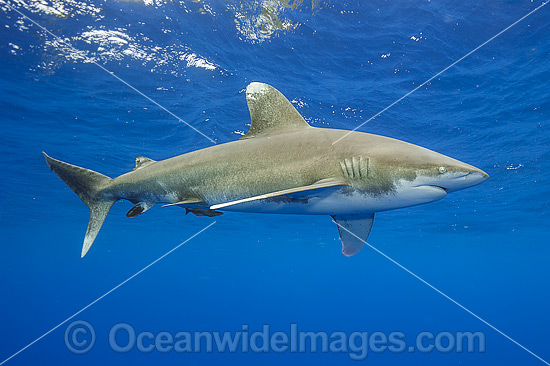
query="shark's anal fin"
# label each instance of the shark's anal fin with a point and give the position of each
(324, 183)
(354, 231)
(139, 208)
(187, 201)
(203, 212)
(270, 112)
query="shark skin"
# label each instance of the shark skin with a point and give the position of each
(282, 165)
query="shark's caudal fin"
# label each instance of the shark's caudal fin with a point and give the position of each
(88, 185)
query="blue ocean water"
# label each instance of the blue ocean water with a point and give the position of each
(339, 63)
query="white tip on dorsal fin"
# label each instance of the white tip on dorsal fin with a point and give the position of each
(142, 161)
(270, 112)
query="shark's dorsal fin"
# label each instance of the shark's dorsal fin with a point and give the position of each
(270, 112)
(142, 161)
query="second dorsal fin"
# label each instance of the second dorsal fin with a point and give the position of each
(270, 112)
(142, 161)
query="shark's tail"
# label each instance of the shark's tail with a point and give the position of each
(89, 186)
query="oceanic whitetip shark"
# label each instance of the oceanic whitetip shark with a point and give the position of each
(281, 165)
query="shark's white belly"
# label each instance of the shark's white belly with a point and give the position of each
(343, 201)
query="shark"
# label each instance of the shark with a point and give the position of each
(282, 165)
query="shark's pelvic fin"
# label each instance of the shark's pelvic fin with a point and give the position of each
(187, 201)
(351, 228)
(142, 161)
(270, 112)
(324, 183)
(88, 185)
(139, 208)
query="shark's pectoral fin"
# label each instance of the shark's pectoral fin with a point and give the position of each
(324, 183)
(203, 212)
(354, 231)
(139, 208)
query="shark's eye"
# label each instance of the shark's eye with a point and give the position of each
(442, 169)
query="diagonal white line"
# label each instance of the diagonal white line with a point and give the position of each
(60, 40)
(441, 72)
(443, 294)
(105, 294)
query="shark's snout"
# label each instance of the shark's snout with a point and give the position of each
(469, 177)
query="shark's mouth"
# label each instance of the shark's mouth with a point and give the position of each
(438, 187)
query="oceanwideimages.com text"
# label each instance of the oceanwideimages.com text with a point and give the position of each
(80, 337)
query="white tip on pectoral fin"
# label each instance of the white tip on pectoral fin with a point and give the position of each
(98, 213)
(354, 231)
